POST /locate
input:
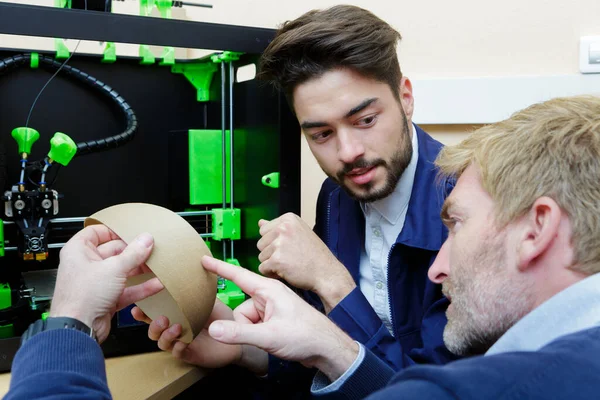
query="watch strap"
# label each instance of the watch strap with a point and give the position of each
(51, 323)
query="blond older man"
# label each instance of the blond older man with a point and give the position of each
(520, 267)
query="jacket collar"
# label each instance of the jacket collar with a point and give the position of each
(423, 227)
(394, 205)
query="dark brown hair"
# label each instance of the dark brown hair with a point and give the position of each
(338, 37)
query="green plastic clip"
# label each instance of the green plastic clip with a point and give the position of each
(146, 7)
(200, 76)
(62, 148)
(5, 297)
(164, 7)
(226, 56)
(35, 60)
(110, 53)
(226, 223)
(168, 56)
(1, 238)
(45, 315)
(271, 180)
(63, 3)
(62, 51)
(146, 55)
(6, 331)
(25, 138)
(230, 293)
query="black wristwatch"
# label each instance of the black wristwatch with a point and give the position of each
(50, 323)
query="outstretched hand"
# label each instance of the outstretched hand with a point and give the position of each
(276, 320)
(203, 351)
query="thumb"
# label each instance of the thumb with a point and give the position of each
(135, 254)
(231, 332)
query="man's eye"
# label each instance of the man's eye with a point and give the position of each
(320, 136)
(455, 224)
(367, 121)
(451, 223)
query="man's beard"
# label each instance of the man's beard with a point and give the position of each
(486, 301)
(394, 170)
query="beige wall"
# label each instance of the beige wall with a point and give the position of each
(453, 38)
(461, 38)
(443, 39)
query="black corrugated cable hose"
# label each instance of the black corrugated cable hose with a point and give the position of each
(91, 146)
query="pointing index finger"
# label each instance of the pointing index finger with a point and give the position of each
(248, 281)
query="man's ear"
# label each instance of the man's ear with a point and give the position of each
(540, 228)
(406, 97)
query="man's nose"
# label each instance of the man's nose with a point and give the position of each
(440, 269)
(351, 147)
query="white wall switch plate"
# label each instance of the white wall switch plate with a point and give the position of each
(589, 54)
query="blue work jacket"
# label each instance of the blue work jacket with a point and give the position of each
(417, 305)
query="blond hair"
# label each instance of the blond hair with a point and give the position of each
(548, 149)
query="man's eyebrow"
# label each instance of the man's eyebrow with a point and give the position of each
(361, 107)
(449, 203)
(312, 124)
(355, 110)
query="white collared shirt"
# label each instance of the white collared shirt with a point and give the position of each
(574, 309)
(384, 220)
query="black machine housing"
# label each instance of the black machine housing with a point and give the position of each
(152, 167)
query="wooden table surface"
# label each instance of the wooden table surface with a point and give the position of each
(153, 376)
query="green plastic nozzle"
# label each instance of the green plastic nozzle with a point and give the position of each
(62, 148)
(25, 138)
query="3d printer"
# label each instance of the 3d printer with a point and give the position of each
(183, 134)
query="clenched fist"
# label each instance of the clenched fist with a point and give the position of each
(290, 250)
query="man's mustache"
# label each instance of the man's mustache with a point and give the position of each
(360, 164)
(446, 289)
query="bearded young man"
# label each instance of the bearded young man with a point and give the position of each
(378, 226)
